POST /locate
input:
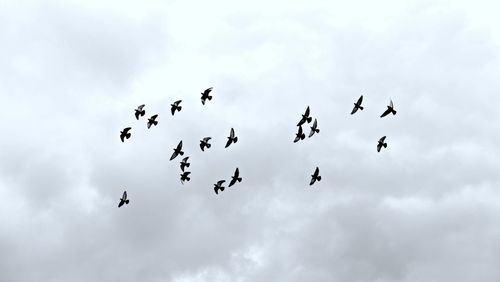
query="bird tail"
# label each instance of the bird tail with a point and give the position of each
(316, 130)
(181, 153)
(393, 112)
(128, 135)
(309, 119)
(126, 202)
(208, 145)
(319, 178)
(180, 108)
(202, 101)
(209, 98)
(155, 123)
(188, 178)
(302, 136)
(385, 145)
(235, 139)
(239, 179)
(143, 113)
(188, 164)
(361, 108)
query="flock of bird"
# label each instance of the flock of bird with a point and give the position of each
(232, 138)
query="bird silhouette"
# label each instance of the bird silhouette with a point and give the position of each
(152, 121)
(299, 135)
(204, 143)
(123, 199)
(315, 176)
(390, 109)
(177, 151)
(219, 186)
(235, 177)
(381, 144)
(305, 117)
(125, 134)
(185, 176)
(357, 105)
(205, 95)
(175, 107)
(231, 139)
(184, 163)
(314, 128)
(140, 112)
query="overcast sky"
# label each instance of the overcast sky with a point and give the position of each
(426, 208)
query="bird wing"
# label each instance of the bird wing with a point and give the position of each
(233, 181)
(391, 105)
(300, 131)
(124, 197)
(229, 140)
(185, 159)
(307, 111)
(172, 109)
(219, 183)
(121, 203)
(207, 90)
(140, 107)
(379, 146)
(126, 130)
(122, 136)
(386, 113)
(206, 139)
(232, 133)
(315, 124)
(149, 123)
(177, 102)
(154, 117)
(312, 181)
(174, 154)
(360, 100)
(179, 146)
(355, 109)
(382, 139)
(316, 172)
(311, 133)
(237, 172)
(137, 113)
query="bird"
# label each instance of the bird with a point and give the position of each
(124, 199)
(305, 117)
(219, 186)
(381, 144)
(314, 128)
(390, 109)
(357, 105)
(152, 121)
(204, 143)
(175, 107)
(184, 163)
(185, 176)
(125, 134)
(231, 139)
(315, 176)
(235, 177)
(205, 95)
(139, 111)
(177, 151)
(299, 135)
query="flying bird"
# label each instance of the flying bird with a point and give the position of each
(235, 177)
(219, 186)
(152, 121)
(300, 135)
(305, 117)
(390, 109)
(314, 128)
(315, 176)
(139, 111)
(357, 105)
(124, 199)
(231, 139)
(175, 107)
(205, 95)
(204, 143)
(381, 144)
(177, 151)
(185, 176)
(184, 163)
(125, 134)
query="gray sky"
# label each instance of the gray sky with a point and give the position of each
(424, 209)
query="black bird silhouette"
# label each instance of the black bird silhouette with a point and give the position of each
(300, 135)
(184, 163)
(357, 105)
(204, 143)
(124, 199)
(315, 176)
(139, 111)
(381, 144)
(219, 186)
(305, 117)
(235, 177)
(231, 139)
(314, 128)
(205, 95)
(390, 109)
(152, 121)
(175, 107)
(125, 133)
(177, 151)
(185, 176)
